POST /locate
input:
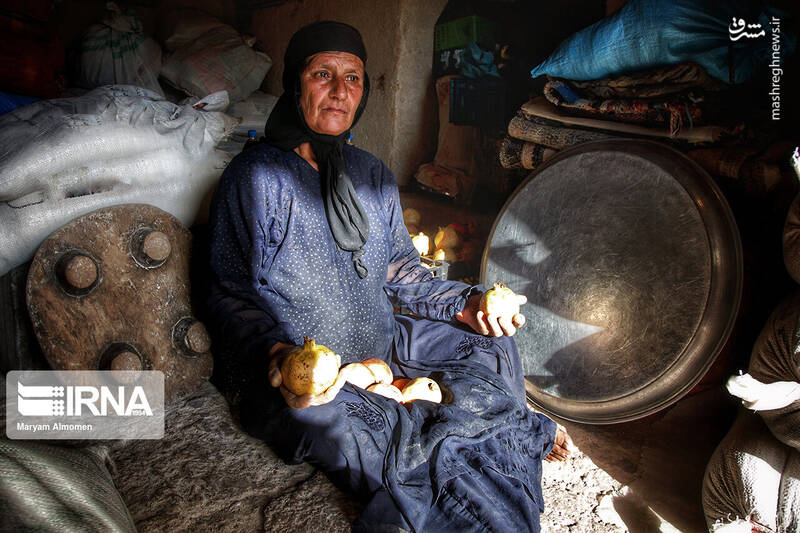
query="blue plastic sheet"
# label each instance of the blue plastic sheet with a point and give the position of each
(652, 33)
(477, 63)
(9, 102)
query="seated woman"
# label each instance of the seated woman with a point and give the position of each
(308, 240)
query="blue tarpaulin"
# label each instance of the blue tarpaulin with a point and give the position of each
(652, 33)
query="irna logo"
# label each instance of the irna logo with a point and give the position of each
(79, 400)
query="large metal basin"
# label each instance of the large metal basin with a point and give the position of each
(632, 264)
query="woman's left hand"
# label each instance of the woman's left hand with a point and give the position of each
(494, 325)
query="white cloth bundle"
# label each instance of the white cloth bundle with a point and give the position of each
(758, 396)
(116, 144)
(208, 55)
(116, 51)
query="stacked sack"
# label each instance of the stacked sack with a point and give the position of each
(118, 144)
(653, 69)
(752, 482)
(753, 478)
(201, 55)
(662, 103)
(791, 230)
(124, 141)
(116, 51)
(204, 55)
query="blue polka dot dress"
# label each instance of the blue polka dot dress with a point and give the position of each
(471, 463)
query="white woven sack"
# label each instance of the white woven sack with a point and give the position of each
(218, 60)
(253, 111)
(776, 358)
(752, 477)
(117, 52)
(180, 26)
(63, 158)
(791, 240)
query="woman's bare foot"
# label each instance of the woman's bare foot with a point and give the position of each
(562, 447)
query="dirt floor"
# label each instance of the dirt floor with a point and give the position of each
(642, 476)
(579, 497)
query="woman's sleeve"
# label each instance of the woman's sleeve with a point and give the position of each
(244, 231)
(408, 282)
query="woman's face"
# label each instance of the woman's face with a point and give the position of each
(331, 87)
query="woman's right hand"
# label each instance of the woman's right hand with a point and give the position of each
(277, 354)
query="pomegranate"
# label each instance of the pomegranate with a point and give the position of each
(499, 300)
(389, 391)
(381, 371)
(310, 368)
(422, 389)
(359, 375)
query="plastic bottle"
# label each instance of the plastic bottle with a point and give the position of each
(251, 140)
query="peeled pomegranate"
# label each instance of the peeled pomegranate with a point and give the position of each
(310, 368)
(422, 389)
(400, 383)
(421, 242)
(381, 371)
(499, 300)
(359, 375)
(389, 391)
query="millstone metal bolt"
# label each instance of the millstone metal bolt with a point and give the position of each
(80, 271)
(197, 339)
(156, 246)
(126, 361)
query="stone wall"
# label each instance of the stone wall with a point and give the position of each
(398, 124)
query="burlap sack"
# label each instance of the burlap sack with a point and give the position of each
(454, 169)
(753, 477)
(776, 357)
(219, 59)
(117, 52)
(46, 488)
(791, 240)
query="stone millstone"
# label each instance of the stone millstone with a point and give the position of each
(95, 304)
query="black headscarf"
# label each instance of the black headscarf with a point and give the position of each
(286, 129)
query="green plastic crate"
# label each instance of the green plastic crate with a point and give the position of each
(460, 32)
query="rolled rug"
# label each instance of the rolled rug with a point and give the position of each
(540, 108)
(675, 111)
(520, 154)
(652, 82)
(757, 175)
(550, 134)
